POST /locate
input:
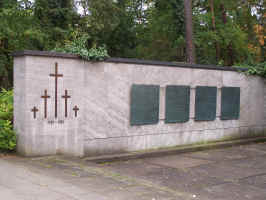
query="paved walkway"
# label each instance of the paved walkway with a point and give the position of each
(237, 173)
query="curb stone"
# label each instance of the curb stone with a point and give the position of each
(173, 151)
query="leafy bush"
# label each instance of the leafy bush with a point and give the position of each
(78, 47)
(255, 69)
(7, 134)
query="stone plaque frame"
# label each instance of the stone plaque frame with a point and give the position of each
(177, 104)
(205, 103)
(230, 105)
(144, 103)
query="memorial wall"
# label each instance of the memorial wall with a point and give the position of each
(64, 105)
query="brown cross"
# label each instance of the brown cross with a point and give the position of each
(45, 97)
(76, 109)
(56, 75)
(34, 110)
(66, 96)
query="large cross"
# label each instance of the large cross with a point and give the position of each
(45, 97)
(56, 75)
(34, 110)
(66, 96)
(76, 109)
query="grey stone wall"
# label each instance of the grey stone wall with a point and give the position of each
(109, 129)
(48, 136)
(102, 93)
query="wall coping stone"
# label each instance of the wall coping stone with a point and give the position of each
(128, 61)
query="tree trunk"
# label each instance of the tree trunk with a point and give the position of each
(230, 60)
(190, 48)
(214, 30)
(224, 17)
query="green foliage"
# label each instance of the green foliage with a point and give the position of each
(228, 35)
(78, 47)
(258, 69)
(145, 29)
(162, 37)
(6, 105)
(113, 23)
(18, 31)
(7, 134)
(56, 19)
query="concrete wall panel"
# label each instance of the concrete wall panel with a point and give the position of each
(102, 93)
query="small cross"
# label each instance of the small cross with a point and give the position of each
(34, 110)
(56, 75)
(66, 96)
(76, 109)
(45, 97)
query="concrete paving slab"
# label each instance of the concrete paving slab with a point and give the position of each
(232, 191)
(258, 181)
(257, 164)
(177, 161)
(236, 173)
(260, 146)
(22, 183)
(177, 179)
(239, 152)
(226, 172)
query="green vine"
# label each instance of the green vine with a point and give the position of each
(258, 69)
(78, 47)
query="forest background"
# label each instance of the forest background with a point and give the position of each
(226, 32)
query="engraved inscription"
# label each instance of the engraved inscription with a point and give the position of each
(52, 122)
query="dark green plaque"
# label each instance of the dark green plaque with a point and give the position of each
(144, 104)
(230, 105)
(205, 104)
(177, 104)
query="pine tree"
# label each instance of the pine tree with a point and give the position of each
(190, 48)
(57, 19)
